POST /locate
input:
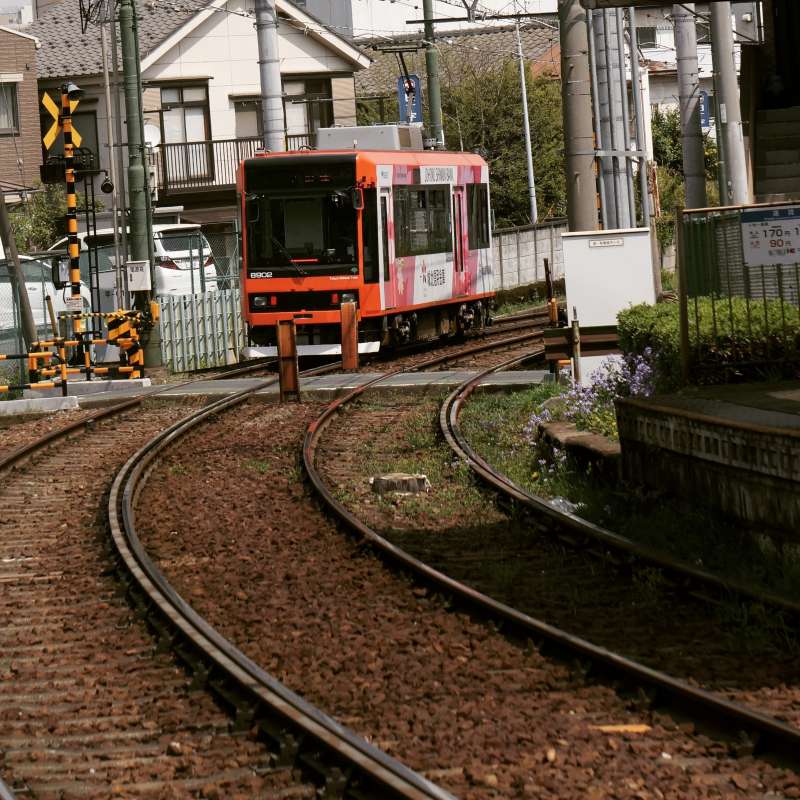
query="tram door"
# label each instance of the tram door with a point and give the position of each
(387, 250)
(459, 230)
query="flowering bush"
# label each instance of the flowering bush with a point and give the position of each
(591, 407)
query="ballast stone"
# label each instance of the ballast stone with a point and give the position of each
(404, 482)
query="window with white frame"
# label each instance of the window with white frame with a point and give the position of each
(9, 109)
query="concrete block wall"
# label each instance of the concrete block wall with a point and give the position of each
(519, 253)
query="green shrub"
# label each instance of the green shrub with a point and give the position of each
(727, 331)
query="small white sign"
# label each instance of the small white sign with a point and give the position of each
(437, 175)
(73, 303)
(138, 276)
(606, 243)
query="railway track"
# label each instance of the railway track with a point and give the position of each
(758, 732)
(767, 734)
(317, 596)
(87, 707)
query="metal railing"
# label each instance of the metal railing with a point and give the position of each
(299, 141)
(739, 291)
(183, 167)
(192, 166)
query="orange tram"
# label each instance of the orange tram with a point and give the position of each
(404, 234)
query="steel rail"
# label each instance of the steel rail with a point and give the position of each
(449, 425)
(5, 792)
(302, 731)
(768, 734)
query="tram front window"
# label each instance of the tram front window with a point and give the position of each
(306, 233)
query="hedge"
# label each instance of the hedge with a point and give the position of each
(769, 333)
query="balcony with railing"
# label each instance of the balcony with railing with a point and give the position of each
(200, 168)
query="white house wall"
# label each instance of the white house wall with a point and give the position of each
(224, 49)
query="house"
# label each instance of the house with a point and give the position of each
(475, 49)
(199, 63)
(20, 145)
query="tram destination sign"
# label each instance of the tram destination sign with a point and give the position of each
(771, 236)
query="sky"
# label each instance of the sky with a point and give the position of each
(387, 17)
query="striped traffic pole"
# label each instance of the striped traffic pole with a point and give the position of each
(72, 202)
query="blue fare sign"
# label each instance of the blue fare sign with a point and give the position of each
(771, 236)
(409, 98)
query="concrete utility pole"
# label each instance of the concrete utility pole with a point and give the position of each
(112, 170)
(432, 68)
(577, 111)
(610, 100)
(689, 96)
(137, 178)
(18, 287)
(527, 127)
(730, 114)
(269, 67)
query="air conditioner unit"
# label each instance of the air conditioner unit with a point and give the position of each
(370, 137)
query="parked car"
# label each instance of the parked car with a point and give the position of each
(180, 252)
(38, 283)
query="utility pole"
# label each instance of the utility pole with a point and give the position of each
(18, 287)
(139, 202)
(112, 170)
(527, 127)
(432, 68)
(611, 94)
(730, 114)
(577, 111)
(689, 96)
(139, 249)
(269, 67)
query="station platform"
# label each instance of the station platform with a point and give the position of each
(735, 447)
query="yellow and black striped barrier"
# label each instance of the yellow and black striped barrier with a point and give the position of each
(48, 357)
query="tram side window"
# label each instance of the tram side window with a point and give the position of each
(369, 233)
(478, 206)
(421, 220)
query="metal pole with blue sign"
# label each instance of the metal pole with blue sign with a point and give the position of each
(409, 98)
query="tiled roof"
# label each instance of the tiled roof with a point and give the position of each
(474, 49)
(66, 52)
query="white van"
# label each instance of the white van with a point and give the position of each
(181, 251)
(39, 286)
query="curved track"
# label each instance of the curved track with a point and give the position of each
(769, 735)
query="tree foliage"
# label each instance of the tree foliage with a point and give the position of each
(483, 113)
(482, 108)
(668, 154)
(38, 223)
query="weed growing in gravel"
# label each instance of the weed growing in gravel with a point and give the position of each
(178, 469)
(257, 465)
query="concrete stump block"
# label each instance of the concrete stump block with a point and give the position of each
(402, 482)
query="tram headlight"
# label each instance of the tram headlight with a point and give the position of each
(349, 297)
(260, 301)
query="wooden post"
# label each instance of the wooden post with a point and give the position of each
(349, 336)
(683, 293)
(287, 361)
(576, 347)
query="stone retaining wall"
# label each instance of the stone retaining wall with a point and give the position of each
(747, 471)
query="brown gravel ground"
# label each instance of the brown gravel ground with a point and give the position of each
(15, 431)
(88, 709)
(228, 518)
